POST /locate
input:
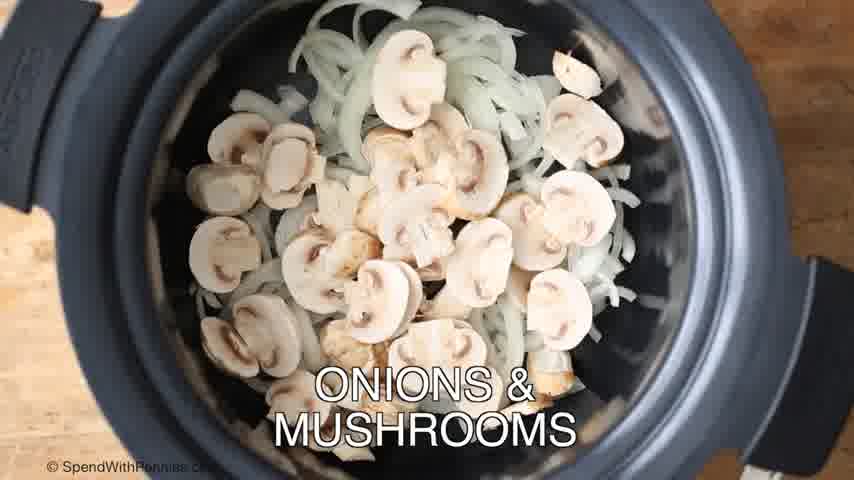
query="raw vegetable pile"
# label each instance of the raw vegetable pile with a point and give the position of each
(443, 210)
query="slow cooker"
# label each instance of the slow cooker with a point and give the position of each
(747, 347)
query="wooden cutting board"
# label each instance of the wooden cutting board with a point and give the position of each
(803, 54)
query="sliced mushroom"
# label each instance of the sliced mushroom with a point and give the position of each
(313, 359)
(518, 286)
(437, 136)
(221, 250)
(349, 251)
(227, 350)
(444, 344)
(239, 140)
(378, 301)
(580, 129)
(348, 453)
(416, 222)
(227, 190)
(399, 357)
(445, 305)
(337, 206)
(269, 328)
(480, 265)
(408, 80)
(576, 77)
(295, 221)
(292, 165)
(534, 248)
(305, 276)
(295, 395)
(435, 272)
(392, 161)
(343, 350)
(559, 307)
(480, 174)
(550, 372)
(416, 296)
(369, 212)
(578, 208)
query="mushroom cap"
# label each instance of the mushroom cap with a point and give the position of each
(378, 301)
(368, 212)
(559, 307)
(576, 77)
(349, 251)
(342, 349)
(444, 344)
(221, 189)
(580, 129)
(269, 328)
(417, 223)
(294, 221)
(578, 208)
(435, 272)
(239, 139)
(381, 138)
(292, 165)
(518, 286)
(221, 250)
(305, 277)
(534, 248)
(479, 268)
(437, 136)
(227, 350)
(445, 305)
(399, 357)
(480, 174)
(392, 161)
(408, 80)
(416, 295)
(296, 394)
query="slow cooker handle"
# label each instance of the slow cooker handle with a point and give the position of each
(801, 432)
(38, 46)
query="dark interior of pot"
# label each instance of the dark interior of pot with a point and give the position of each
(636, 336)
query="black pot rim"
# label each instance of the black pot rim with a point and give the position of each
(719, 121)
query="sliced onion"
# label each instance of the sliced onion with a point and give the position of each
(549, 85)
(313, 358)
(324, 74)
(629, 247)
(292, 221)
(624, 196)
(595, 334)
(269, 272)
(537, 130)
(474, 101)
(252, 102)
(259, 220)
(512, 126)
(587, 262)
(619, 172)
(534, 342)
(512, 327)
(339, 173)
(549, 361)
(628, 294)
(505, 90)
(452, 16)
(545, 165)
(291, 101)
(322, 111)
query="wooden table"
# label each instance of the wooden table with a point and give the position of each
(803, 53)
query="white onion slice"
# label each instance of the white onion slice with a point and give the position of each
(292, 222)
(550, 361)
(545, 165)
(629, 246)
(252, 102)
(259, 220)
(291, 100)
(619, 172)
(313, 358)
(595, 334)
(585, 263)
(474, 101)
(624, 196)
(549, 85)
(628, 294)
(270, 272)
(512, 126)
